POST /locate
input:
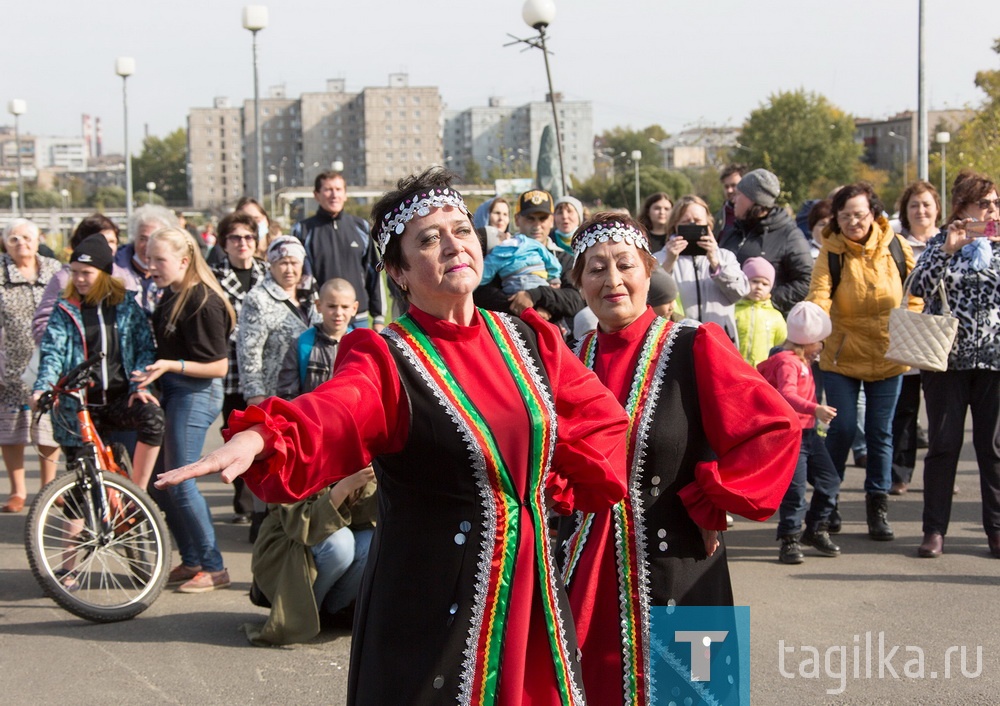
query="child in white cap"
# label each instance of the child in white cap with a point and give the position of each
(789, 372)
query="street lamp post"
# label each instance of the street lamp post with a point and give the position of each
(65, 198)
(272, 180)
(13, 202)
(125, 67)
(539, 14)
(906, 154)
(943, 138)
(150, 188)
(636, 156)
(17, 108)
(255, 19)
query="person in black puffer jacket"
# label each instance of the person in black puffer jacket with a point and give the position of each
(767, 231)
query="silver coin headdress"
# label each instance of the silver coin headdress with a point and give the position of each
(608, 231)
(394, 222)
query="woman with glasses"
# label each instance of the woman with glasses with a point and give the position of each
(965, 259)
(858, 280)
(238, 273)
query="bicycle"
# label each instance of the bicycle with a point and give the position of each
(96, 542)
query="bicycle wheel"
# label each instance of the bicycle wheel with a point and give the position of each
(103, 576)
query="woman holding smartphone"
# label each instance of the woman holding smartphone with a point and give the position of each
(191, 323)
(709, 282)
(965, 259)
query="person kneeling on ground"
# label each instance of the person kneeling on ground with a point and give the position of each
(309, 557)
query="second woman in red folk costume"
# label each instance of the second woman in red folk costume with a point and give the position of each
(707, 436)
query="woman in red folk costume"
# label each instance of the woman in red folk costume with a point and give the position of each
(477, 422)
(707, 435)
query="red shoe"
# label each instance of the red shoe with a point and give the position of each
(15, 503)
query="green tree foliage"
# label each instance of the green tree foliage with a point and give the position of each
(620, 192)
(976, 144)
(163, 161)
(619, 142)
(804, 139)
(473, 172)
(108, 197)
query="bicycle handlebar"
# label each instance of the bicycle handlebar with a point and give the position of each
(77, 377)
(74, 379)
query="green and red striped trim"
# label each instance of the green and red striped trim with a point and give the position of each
(489, 642)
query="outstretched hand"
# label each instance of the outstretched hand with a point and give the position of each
(231, 460)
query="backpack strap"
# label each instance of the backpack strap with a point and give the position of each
(896, 250)
(305, 345)
(836, 263)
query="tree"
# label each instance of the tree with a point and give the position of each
(163, 161)
(803, 138)
(473, 172)
(619, 143)
(108, 197)
(976, 144)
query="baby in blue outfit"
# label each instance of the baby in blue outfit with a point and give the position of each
(522, 263)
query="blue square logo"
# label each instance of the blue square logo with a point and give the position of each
(700, 655)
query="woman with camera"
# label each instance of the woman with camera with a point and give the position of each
(709, 279)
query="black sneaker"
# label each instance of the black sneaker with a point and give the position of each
(790, 552)
(819, 539)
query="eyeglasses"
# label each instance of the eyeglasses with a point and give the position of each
(241, 238)
(16, 239)
(851, 217)
(987, 204)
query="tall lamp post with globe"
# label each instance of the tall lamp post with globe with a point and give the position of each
(539, 14)
(636, 156)
(255, 19)
(17, 108)
(125, 67)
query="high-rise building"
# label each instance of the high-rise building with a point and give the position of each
(506, 139)
(215, 155)
(378, 134)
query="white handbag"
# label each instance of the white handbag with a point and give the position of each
(922, 341)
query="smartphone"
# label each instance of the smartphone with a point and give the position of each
(982, 229)
(692, 233)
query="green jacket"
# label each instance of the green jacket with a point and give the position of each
(283, 565)
(760, 327)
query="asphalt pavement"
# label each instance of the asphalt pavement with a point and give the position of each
(815, 628)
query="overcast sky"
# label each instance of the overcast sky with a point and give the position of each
(678, 63)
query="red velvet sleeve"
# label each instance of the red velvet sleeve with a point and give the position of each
(334, 431)
(753, 431)
(588, 468)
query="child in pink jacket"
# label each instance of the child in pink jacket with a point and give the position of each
(789, 372)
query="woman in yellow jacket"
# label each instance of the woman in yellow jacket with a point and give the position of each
(858, 280)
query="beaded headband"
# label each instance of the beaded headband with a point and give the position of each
(603, 232)
(394, 222)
